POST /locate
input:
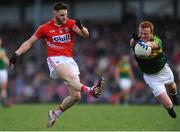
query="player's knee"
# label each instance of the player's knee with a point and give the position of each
(76, 97)
(69, 79)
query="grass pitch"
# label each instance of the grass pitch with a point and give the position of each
(89, 118)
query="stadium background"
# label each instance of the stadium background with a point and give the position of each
(110, 22)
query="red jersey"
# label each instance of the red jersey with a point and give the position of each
(59, 38)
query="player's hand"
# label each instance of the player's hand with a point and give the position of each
(78, 23)
(135, 37)
(12, 60)
(143, 44)
(138, 41)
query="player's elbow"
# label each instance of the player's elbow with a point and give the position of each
(132, 43)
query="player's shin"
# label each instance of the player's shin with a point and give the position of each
(173, 93)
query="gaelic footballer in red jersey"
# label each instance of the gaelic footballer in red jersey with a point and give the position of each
(59, 36)
(59, 39)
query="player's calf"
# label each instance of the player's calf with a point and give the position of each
(175, 98)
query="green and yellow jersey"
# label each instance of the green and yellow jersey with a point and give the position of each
(125, 69)
(2, 63)
(156, 61)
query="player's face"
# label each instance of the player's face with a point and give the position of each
(125, 58)
(61, 16)
(145, 34)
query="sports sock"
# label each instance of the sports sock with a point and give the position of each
(59, 111)
(86, 89)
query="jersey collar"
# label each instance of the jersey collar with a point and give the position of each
(152, 39)
(52, 21)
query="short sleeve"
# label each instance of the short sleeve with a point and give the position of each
(158, 41)
(39, 32)
(72, 24)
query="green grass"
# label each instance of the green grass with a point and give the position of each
(89, 118)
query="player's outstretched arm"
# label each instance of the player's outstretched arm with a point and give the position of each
(26, 45)
(81, 30)
(22, 49)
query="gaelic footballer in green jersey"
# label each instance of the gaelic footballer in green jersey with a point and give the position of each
(3, 74)
(156, 72)
(124, 79)
(157, 59)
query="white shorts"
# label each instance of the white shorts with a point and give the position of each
(54, 61)
(125, 83)
(3, 76)
(157, 81)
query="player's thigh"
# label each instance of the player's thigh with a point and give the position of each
(155, 84)
(63, 72)
(156, 87)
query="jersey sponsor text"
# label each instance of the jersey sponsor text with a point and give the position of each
(64, 38)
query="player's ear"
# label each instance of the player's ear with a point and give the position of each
(54, 13)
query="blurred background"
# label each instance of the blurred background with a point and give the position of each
(110, 23)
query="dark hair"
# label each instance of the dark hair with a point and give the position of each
(60, 6)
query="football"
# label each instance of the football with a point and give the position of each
(142, 50)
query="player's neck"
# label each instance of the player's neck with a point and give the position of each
(57, 23)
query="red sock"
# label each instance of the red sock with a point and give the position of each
(86, 90)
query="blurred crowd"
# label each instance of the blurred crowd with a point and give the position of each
(97, 55)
